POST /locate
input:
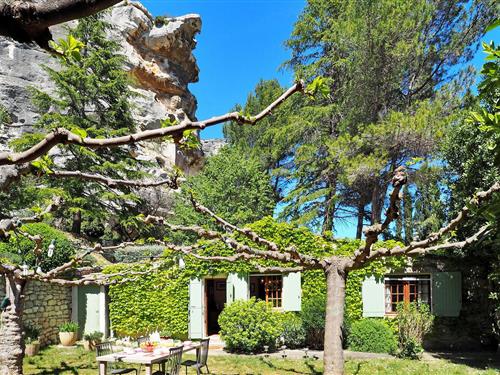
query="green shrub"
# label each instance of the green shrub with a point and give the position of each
(248, 326)
(372, 335)
(313, 320)
(94, 336)
(293, 334)
(31, 333)
(414, 321)
(19, 248)
(68, 327)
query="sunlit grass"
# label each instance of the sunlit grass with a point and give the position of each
(55, 360)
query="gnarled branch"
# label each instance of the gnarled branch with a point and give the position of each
(372, 232)
(64, 136)
(27, 21)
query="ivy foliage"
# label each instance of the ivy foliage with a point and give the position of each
(19, 249)
(160, 299)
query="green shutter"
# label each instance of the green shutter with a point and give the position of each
(237, 287)
(196, 311)
(372, 292)
(291, 292)
(446, 293)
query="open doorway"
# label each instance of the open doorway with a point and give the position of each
(215, 290)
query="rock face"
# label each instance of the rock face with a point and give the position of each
(160, 61)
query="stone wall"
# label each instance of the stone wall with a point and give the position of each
(46, 306)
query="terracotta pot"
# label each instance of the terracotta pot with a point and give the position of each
(32, 349)
(67, 338)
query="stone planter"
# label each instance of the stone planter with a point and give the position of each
(32, 349)
(67, 338)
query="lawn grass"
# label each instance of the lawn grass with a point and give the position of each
(58, 361)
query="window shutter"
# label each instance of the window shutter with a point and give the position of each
(237, 287)
(372, 292)
(292, 292)
(196, 311)
(446, 293)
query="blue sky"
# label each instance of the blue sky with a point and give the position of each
(242, 41)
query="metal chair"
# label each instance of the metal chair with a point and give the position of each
(172, 365)
(201, 358)
(105, 348)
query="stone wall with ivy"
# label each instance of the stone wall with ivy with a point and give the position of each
(160, 299)
(46, 306)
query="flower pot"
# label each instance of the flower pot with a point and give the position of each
(67, 338)
(32, 349)
(90, 344)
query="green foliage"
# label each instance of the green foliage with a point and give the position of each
(156, 301)
(159, 300)
(69, 327)
(293, 334)
(333, 157)
(19, 249)
(414, 321)
(372, 335)
(488, 116)
(31, 333)
(313, 318)
(90, 98)
(232, 185)
(248, 326)
(93, 336)
(4, 115)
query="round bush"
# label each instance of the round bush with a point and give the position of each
(372, 335)
(20, 248)
(294, 334)
(247, 326)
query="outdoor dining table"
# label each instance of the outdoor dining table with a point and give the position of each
(143, 358)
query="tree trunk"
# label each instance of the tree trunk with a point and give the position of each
(11, 330)
(333, 359)
(77, 222)
(361, 217)
(329, 213)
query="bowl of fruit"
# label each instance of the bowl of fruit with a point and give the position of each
(148, 346)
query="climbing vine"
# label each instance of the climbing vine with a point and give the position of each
(160, 299)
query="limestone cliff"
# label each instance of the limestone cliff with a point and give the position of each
(159, 59)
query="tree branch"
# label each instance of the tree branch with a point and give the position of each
(10, 224)
(254, 237)
(285, 257)
(372, 232)
(27, 21)
(426, 248)
(64, 136)
(172, 182)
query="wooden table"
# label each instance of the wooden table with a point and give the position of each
(142, 358)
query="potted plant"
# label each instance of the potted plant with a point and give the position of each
(31, 335)
(91, 339)
(68, 333)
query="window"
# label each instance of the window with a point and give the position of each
(268, 288)
(406, 289)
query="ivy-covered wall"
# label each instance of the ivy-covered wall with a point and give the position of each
(160, 299)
